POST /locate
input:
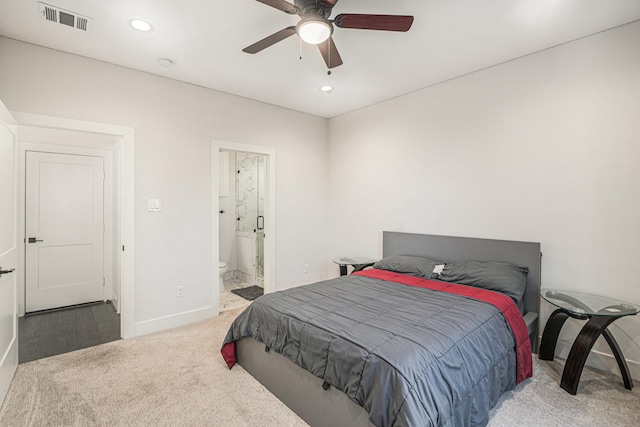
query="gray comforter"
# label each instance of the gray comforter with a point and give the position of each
(409, 356)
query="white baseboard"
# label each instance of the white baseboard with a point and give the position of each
(115, 302)
(173, 321)
(601, 361)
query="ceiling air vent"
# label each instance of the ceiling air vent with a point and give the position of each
(64, 17)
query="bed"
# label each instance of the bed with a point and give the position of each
(382, 371)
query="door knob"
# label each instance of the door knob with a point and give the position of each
(11, 270)
(34, 240)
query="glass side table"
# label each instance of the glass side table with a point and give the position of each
(358, 263)
(600, 312)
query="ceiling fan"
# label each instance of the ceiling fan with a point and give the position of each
(315, 27)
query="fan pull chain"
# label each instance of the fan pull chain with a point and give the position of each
(300, 48)
(329, 55)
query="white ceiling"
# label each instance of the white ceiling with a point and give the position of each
(205, 38)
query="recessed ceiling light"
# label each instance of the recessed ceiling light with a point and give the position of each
(326, 88)
(141, 25)
(165, 63)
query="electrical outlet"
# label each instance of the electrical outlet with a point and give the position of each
(154, 205)
(180, 291)
(306, 268)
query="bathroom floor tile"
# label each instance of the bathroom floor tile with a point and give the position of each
(230, 301)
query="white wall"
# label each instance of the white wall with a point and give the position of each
(543, 148)
(174, 125)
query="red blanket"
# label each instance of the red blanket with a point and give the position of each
(502, 302)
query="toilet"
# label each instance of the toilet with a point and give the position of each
(221, 272)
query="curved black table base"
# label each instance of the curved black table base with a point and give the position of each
(595, 326)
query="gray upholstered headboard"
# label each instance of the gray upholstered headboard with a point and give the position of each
(448, 249)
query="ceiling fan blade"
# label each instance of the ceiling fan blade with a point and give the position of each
(270, 40)
(374, 22)
(327, 3)
(330, 53)
(281, 5)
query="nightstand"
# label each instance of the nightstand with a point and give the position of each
(600, 312)
(357, 263)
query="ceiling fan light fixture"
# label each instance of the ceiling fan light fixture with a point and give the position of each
(314, 31)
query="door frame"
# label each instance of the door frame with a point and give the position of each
(126, 188)
(9, 356)
(108, 243)
(270, 209)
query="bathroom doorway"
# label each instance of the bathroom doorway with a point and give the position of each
(244, 222)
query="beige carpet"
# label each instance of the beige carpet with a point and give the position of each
(173, 378)
(177, 378)
(601, 401)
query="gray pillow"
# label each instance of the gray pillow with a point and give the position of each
(414, 266)
(495, 276)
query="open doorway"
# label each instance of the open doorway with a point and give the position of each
(124, 181)
(70, 217)
(242, 217)
(71, 193)
(243, 203)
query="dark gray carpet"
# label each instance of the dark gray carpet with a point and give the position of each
(250, 293)
(60, 331)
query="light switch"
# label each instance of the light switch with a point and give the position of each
(155, 205)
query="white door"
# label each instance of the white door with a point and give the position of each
(8, 252)
(64, 224)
